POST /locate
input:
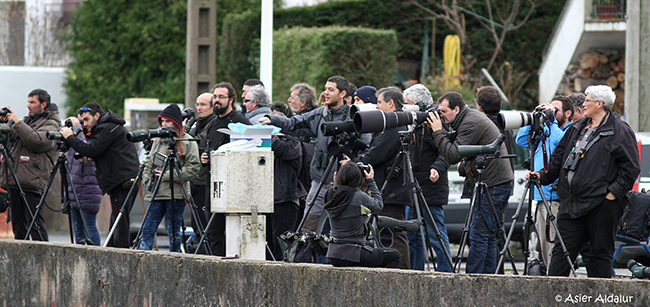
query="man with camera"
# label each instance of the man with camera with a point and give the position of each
(430, 170)
(115, 158)
(471, 127)
(32, 156)
(563, 109)
(383, 150)
(308, 124)
(223, 102)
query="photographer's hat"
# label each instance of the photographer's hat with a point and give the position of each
(367, 94)
(173, 113)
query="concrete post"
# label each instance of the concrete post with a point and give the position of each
(637, 65)
(201, 49)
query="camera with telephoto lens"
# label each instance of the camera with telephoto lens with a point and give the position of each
(509, 120)
(162, 132)
(4, 111)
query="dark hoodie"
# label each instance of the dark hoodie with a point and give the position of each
(345, 211)
(115, 157)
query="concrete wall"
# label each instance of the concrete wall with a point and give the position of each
(46, 274)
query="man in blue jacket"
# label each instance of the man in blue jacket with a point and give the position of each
(564, 110)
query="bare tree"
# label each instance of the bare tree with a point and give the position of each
(502, 17)
(44, 36)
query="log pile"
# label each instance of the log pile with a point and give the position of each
(597, 66)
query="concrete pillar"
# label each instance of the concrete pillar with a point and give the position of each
(637, 65)
(201, 49)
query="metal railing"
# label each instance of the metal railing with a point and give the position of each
(609, 9)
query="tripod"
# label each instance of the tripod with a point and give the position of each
(536, 136)
(481, 188)
(409, 182)
(170, 163)
(9, 169)
(61, 165)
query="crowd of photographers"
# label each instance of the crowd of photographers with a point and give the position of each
(336, 163)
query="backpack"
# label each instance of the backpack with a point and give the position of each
(304, 246)
(634, 224)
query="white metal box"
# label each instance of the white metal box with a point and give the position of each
(240, 180)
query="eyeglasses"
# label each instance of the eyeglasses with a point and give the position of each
(591, 100)
(220, 97)
(247, 100)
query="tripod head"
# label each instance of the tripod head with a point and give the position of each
(347, 143)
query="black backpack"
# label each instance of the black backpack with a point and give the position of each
(635, 222)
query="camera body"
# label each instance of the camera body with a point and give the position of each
(4, 111)
(363, 167)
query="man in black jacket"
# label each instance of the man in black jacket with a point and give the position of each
(223, 100)
(430, 170)
(205, 114)
(383, 150)
(115, 157)
(596, 164)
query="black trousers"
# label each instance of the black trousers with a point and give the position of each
(121, 235)
(283, 218)
(21, 218)
(381, 257)
(397, 237)
(597, 226)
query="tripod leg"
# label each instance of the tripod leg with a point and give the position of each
(138, 237)
(558, 236)
(123, 210)
(515, 216)
(42, 201)
(466, 228)
(312, 198)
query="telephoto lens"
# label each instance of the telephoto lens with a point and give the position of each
(53, 135)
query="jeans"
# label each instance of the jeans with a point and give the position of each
(482, 257)
(416, 248)
(157, 210)
(80, 231)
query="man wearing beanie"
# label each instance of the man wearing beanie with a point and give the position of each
(162, 203)
(116, 161)
(365, 94)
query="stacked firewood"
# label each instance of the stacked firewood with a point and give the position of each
(597, 66)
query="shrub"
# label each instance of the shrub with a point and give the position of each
(311, 55)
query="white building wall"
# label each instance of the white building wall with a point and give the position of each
(17, 81)
(562, 47)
